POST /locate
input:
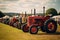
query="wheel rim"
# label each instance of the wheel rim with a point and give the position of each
(51, 26)
(33, 29)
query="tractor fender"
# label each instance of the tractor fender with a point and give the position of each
(49, 20)
(23, 25)
(36, 26)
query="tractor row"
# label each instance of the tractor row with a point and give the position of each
(33, 24)
(12, 21)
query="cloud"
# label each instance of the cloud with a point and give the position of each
(10, 0)
(26, 5)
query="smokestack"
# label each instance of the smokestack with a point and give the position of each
(44, 10)
(34, 11)
(25, 14)
(31, 11)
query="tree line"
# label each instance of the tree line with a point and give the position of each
(50, 11)
(1, 14)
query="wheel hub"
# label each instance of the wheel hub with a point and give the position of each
(34, 29)
(51, 26)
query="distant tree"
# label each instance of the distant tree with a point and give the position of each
(1, 14)
(51, 11)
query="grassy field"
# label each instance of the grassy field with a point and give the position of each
(9, 33)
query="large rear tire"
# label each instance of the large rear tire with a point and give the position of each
(50, 26)
(33, 30)
(24, 28)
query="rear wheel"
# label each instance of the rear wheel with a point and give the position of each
(33, 30)
(51, 26)
(24, 28)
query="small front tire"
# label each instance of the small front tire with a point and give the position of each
(33, 30)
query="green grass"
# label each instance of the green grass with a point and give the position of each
(9, 33)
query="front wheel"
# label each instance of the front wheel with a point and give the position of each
(51, 26)
(33, 30)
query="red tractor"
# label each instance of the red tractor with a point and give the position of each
(34, 23)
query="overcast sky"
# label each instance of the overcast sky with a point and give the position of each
(26, 5)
